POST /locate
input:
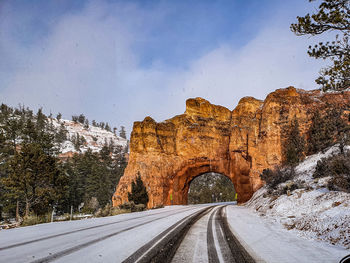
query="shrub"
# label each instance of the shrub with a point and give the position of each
(340, 183)
(35, 219)
(333, 166)
(127, 205)
(116, 211)
(91, 206)
(338, 168)
(158, 206)
(274, 177)
(289, 187)
(109, 210)
(322, 169)
(139, 208)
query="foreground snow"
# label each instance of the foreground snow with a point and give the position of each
(313, 212)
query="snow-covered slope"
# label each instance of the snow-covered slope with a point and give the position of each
(95, 137)
(312, 211)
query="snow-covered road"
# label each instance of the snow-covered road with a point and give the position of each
(183, 233)
(109, 239)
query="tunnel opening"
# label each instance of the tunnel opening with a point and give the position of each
(211, 188)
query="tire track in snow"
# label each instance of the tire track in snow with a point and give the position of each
(83, 229)
(212, 253)
(163, 247)
(91, 242)
(222, 245)
(238, 252)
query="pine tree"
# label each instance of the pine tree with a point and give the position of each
(77, 141)
(86, 124)
(317, 134)
(294, 145)
(331, 15)
(81, 119)
(61, 135)
(122, 132)
(138, 193)
(13, 128)
(325, 131)
(59, 116)
(107, 127)
(33, 174)
(40, 120)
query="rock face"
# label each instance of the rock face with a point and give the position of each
(209, 138)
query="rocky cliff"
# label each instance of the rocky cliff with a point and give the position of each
(210, 138)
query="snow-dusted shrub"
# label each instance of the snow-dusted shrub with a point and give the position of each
(139, 207)
(338, 167)
(276, 176)
(131, 206)
(91, 206)
(127, 205)
(35, 219)
(287, 188)
(109, 210)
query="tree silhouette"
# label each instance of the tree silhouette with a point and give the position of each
(138, 192)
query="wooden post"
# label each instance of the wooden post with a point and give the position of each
(53, 211)
(17, 211)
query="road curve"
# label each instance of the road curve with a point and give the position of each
(164, 235)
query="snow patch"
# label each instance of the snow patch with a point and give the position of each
(95, 137)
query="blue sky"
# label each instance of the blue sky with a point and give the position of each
(119, 61)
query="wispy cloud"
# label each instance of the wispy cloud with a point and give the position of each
(87, 62)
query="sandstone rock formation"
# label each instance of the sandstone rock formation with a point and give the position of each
(210, 138)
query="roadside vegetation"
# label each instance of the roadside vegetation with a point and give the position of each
(35, 182)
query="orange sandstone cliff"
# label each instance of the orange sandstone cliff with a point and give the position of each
(210, 138)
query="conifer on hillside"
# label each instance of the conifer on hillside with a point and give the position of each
(325, 130)
(294, 145)
(138, 193)
(122, 132)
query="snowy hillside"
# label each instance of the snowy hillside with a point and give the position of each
(94, 137)
(312, 211)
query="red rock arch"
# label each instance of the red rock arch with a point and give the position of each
(210, 138)
(181, 182)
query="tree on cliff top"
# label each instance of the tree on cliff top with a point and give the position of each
(331, 15)
(138, 192)
(122, 132)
